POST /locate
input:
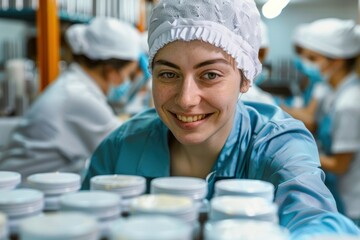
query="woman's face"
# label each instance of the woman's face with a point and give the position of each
(117, 76)
(195, 89)
(324, 63)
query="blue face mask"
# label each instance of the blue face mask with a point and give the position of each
(311, 70)
(298, 64)
(116, 93)
(144, 65)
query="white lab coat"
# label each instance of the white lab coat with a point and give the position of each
(62, 128)
(343, 105)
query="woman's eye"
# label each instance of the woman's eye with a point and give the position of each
(167, 75)
(211, 75)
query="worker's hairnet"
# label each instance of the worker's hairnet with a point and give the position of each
(331, 37)
(104, 38)
(264, 35)
(298, 34)
(233, 25)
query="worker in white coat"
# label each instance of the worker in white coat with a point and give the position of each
(332, 46)
(69, 120)
(255, 93)
(313, 88)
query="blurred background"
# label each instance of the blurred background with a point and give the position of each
(26, 69)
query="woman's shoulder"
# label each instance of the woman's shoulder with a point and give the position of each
(268, 119)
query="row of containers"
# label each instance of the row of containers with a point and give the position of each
(51, 206)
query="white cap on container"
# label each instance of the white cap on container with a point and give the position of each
(98, 203)
(54, 183)
(3, 226)
(195, 188)
(236, 229)
(9, 180)
(59, 226)
(163, 204)
(150, 228)
(21, 202)
(245, 187)
(124, 185)
(233, 207)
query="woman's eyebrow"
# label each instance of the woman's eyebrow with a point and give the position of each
(166, 63)
(212, 61)
(199, 65)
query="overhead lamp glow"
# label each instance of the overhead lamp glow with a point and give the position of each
(269, 11)
(273, 8)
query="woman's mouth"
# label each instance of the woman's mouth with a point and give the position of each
(189, 119)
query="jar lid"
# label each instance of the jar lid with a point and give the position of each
(54, 183)
(164, 204)
(59, 226)
(195, 188)
(236, 229)
(9, 180)
(245, 187)
(98, 203)
(150, 228)
(21, 202)
(124, 185)
(224, 207)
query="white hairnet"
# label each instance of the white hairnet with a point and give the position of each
(233, 25)
(264, 35)
(334, 38)
(105, 38)
(298, 34)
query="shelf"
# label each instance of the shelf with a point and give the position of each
(30, 15)
(24, 14)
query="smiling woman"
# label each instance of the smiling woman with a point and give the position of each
(196, 97)
(203, 55)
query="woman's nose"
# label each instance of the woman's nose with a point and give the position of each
(188, 93)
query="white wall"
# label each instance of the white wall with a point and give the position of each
(281, 27)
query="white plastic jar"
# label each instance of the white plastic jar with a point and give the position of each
(163, 204)
(53, 185)
(9, 180)
(20, 204)
(194, 188)
(3, 227)
(105, 206)
(180, 207)
(59, 226)
(236, 229)
(127, 186)
(150, 228)
(237, 207)
(245, 187)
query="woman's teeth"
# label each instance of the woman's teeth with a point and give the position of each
(190, 119)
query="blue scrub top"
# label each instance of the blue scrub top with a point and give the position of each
(265, 143)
